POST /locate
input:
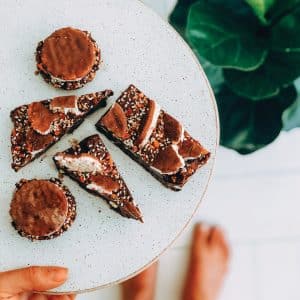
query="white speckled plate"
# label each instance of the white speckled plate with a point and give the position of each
(102, 248)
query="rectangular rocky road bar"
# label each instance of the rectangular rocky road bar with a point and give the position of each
(153, 138)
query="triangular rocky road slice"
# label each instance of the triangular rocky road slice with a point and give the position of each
(153, 138)
(90, 164)
(39, 125)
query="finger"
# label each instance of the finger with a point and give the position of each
(38, 297)
(214, 235)
(32, 279)
(219, 238)
(142, 286)
(17, 297)
(145, 278)
(199, 247)
(226, 246)
(149, 274)
(200, 235)
(62, 297)
(20, 296)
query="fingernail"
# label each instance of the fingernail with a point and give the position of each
(59, 274)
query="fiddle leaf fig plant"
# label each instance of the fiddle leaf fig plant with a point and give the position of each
(257, 124)
(250, 51)
(225, 39)
(260, 8)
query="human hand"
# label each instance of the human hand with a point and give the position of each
(142, 286)
(209, 262)
(24, 284)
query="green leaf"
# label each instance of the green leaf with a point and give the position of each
(279, 69)
(286, 33)
(178, 17)
(291, 116)
(214, 74)
(280, 9)
(225, 38)
(247, 126)
(261, 7)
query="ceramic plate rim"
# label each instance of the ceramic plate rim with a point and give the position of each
(209, 175)
(217, 124)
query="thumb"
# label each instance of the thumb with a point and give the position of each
(31, 279)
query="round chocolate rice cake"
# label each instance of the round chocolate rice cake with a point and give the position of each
(42, 209)
(68, 58)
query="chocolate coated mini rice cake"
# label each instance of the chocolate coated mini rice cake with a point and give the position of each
(68, 58)
(42, 209)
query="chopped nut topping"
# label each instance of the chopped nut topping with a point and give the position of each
(155, 144)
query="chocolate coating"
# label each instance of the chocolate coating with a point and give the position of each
(42, 209)
(68, 58)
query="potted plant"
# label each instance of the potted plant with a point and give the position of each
(250, 50)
